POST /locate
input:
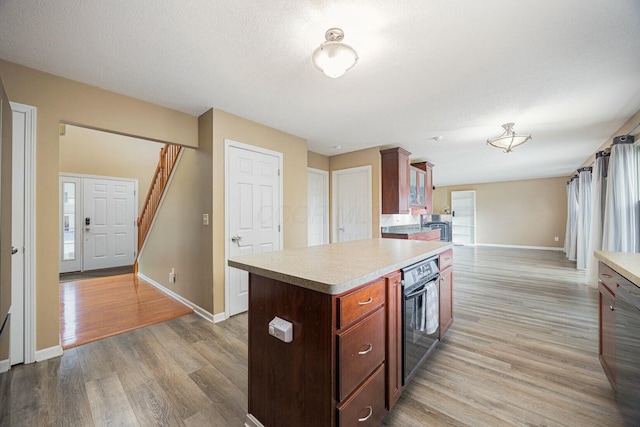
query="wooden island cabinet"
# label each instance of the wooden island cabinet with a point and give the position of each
(343, 366)
(607, 321)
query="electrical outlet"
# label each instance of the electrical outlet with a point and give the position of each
(557, 239)
(172, 275)
(205, 219)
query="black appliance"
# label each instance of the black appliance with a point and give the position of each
(628, 352)
(420, 314)
(444, 227)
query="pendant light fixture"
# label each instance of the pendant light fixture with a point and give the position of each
(333, 57)
(509, 139)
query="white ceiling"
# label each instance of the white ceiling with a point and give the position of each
(566, 71)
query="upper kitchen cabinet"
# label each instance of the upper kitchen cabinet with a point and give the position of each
(421, 188)
(395, 181)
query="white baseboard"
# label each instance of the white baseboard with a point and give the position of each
(220, 317)
(5, 365)
(48, 353)
(197, 309)
(541, 248)
(252, 421)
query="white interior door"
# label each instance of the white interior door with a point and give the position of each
(17, 239)
(22, 339)
(70, 223)
(352, 204)
(318, 207)
(108, 223)
(463, 209)
(253, 212)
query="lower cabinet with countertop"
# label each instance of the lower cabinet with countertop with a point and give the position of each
(619, 323)
(343, 366)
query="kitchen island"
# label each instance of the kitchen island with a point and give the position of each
(342, 364)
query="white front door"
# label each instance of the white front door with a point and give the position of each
(253, 212)
(318, 207)
(70, 223)
(352, 216)
(108, 223)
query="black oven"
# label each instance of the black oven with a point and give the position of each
(420, 314)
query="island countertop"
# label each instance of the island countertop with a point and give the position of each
(627, 264)
(338, 267)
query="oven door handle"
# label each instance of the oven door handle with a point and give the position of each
(413, 294)
(421, 290)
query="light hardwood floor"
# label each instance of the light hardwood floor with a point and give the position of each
(522, 351)
(93, 309)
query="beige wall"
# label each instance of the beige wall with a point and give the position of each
(56, 100)
(179, 239)
(526, 213)
(317, 161)
(294, 150)
(90, 152)
(368, 157)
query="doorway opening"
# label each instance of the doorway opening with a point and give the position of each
(99, 203)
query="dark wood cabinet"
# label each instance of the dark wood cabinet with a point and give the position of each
(393, 283)
(333, 372)
(423, 199)
(607, 321)
(445, 263)
(395, 181)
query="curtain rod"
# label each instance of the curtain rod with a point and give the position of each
(631, 131)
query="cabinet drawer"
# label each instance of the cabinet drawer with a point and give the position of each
(357, 304)
(366, 407)
(607, 276)
(445, 259)
(360, 350)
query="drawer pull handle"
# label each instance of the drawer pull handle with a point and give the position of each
(370, 347)
(608, 276)
(611, 308)
(447, 259)
(369, 301)
(368, 416)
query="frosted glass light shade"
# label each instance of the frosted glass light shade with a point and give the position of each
(509, 139)
(333, 57)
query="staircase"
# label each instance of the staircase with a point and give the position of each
(168, 157)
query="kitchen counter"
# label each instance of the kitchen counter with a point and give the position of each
(626, 264)
(338, 267)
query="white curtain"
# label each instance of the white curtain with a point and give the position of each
(621, 228)
(573, 219)
(598, 189)
(583, 227)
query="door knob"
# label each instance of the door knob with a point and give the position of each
(14, 250)
(236, 239)
(340, 228)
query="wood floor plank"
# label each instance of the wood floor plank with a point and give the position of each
(184, 395)
(109, 404)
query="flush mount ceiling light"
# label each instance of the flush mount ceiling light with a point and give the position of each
(509, 139)
(333, 57)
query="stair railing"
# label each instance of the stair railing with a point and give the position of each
(168, 157)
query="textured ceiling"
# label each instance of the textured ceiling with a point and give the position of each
(566, 71)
